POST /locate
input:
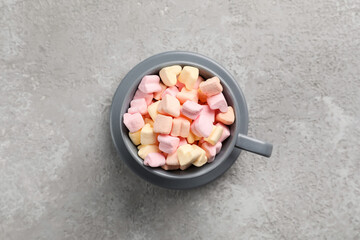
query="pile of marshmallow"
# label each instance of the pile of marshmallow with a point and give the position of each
(179, 121)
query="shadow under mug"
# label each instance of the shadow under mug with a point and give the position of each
(232, 146)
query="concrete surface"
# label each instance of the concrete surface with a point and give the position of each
(296, 61)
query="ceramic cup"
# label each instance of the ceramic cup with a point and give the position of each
(232, 146)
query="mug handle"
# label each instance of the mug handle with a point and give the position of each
(253, 145)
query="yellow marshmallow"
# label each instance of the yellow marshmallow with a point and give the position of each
(187, 155)
(152, 109)
(189, 76)
(191, 138)
(202, 159)
(185, 166)
(135, 137)
(169, 75)
(147, 135)
(144, 150)
(215, 135)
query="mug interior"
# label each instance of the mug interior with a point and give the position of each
(192, 171)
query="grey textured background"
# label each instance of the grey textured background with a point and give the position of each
(296, 61)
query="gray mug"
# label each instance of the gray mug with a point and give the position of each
(232, 146)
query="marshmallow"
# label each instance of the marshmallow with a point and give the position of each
(218, 147)
(211, 150)
(218, 101)
(198, 81)
(150, 84)
(185, 95)
(227, 118)
(192, 137)
(153, 109)
(215, 135)
(144, 150)
(135, 137)
(132, 110)
(180, 127)
(147, 135)
(138, 105)
(162, 124)
(187, 155)
(171, 135)
(202, 159)
(172, 159)
(169, 75)
(133, 122)
(211, 87)
(148, 96)
(209, 113)
(170, 105)
(188, 76)
(191, 109)
(154, 160)
(168, 167)
(171, 162)
(159, 110)
(168, 144)
(184, 167)
(193, 129)
(226, 132)
(202, 126)
(157, 95)
(173, 91)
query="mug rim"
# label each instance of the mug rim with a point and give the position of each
(125, 147)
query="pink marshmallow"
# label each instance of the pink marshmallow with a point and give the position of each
(150, 84)
(191, 109)
(148, 96)
(211, 150)
(218, 101)
(198, 81)
(170, 90)
(168, 144)
(218, 147)
(154, 160)
(132, 110)
(133, 122)
(226, 132)
(202, 126)
(138, 105)
(208, 112)
(194, 131)
(211, 87)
